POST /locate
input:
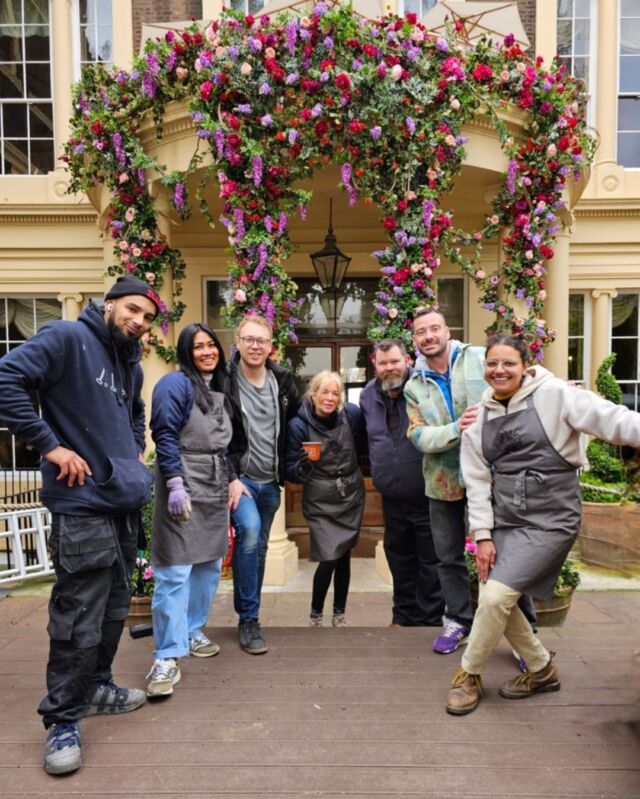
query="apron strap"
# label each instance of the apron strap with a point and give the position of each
(520, 487)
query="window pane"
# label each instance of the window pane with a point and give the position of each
(41, 119)
(626, 365)
(581, 68)
(10, 45)
(255, 6)
(624, 315)
(88, 44)
(451, 301)
(85, 15)
(35, 44)
(15, 120)
(628, 113)
(576, 359)
(583, 8)
(38, 80)
(103, 12)
(42, 157)
(10, 12)
(36, 12)
(576, 314)
(11, 82)
(630, 36)
(412, 7)
(629, 150)
(16, 157)
(104, 43)
(581, 37)
(565, 37)
(629, 73)
(307, 362)
(565, 8)
(630, 8)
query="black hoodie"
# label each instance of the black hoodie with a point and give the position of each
(89, 394)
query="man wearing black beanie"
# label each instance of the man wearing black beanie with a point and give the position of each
(91, 435)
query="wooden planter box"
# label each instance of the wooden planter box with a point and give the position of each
(610, 536)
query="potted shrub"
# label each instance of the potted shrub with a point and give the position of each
(610, 493)
(142, 582)
(551, 613)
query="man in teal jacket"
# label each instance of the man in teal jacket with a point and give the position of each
(442, 401)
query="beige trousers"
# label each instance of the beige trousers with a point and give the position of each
(498, 614)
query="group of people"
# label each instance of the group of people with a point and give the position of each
(469, 438)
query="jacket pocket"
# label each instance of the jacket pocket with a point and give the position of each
(85, 543)
(127, 488)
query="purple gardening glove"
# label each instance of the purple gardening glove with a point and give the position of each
(178, 503)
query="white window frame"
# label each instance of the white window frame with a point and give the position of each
(28, 101)
(619, 93)
(425, 7)
(586, 336)
(75, 38)
(592, 56)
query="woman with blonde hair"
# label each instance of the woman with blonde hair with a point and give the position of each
(333, 488)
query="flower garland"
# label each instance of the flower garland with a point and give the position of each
(273, 101)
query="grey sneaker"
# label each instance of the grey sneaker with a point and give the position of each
(202, 647)
(339, 620)
(108, 698)
(315, 621)
(164, 675)
(62, 751)
(251, 638)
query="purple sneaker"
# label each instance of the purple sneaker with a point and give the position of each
(453, 635)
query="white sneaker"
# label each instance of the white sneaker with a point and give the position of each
(164, 675)
(202, 647)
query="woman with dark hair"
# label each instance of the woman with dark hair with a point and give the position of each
(520, 462)
(199, 439)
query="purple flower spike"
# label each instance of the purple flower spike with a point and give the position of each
(427, 213)
(256, 170)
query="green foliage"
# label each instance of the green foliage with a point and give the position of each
(594, 489)
(606, 382)
(605, 462)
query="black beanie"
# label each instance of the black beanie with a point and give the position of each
(128, 285)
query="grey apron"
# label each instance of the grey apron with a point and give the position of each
(536, 502)
(204, 536)
(333, 500)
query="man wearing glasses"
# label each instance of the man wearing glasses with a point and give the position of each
(268, 398)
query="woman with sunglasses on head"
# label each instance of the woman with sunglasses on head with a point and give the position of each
(199, 440)
(520, 464)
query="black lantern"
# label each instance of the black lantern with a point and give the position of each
(329, 263)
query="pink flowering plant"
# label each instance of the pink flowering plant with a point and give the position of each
(274, 100)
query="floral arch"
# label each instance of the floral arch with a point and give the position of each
(274, 99)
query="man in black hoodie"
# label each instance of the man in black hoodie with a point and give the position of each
(91, 438)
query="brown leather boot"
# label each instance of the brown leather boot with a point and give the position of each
(464, 694)
(531, 682)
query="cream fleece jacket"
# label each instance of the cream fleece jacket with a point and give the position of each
(565, 412)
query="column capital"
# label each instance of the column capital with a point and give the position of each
(612, 293)
(69, 295)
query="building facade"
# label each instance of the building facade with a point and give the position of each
(54, 252)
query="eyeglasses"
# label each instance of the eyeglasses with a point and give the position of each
(504, 364)
(252, 341)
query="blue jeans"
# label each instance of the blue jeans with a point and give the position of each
(181, 603)
(252, 520)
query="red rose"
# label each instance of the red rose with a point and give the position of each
(321, 128)
(401, 276)
(355, 126)
(482, 72)
(97, 128)
(206, 90)
(343, 81)
(563, 143)
(411, 18)
(389, 223)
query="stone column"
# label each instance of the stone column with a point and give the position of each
(606, 81)
(62, 71)
(600, 329)
(282, 556)
(71, 305)
(557, 302)
(122, 27)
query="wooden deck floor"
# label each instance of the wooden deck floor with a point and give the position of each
(355, 712)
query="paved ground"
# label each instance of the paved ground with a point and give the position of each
(353, 712)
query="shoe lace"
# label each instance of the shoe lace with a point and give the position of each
(66, 735)
(523, 679)
(452, 629)
(109, 685)
(200, 639)
(160, 669)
